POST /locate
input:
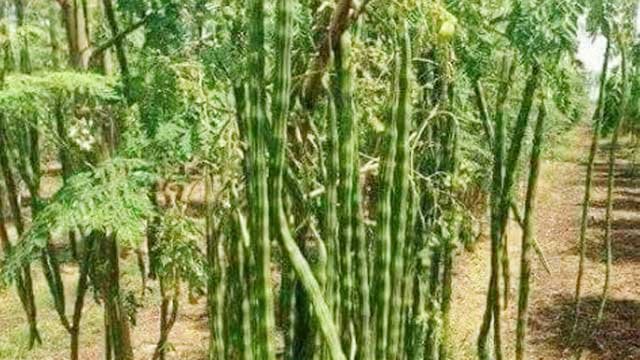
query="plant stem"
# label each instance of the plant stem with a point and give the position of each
(527, 236)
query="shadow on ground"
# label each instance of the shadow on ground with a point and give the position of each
(616, 338)
(625, 226)
(626, 201)
(625, 240)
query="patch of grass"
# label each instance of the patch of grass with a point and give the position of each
(566, 148)
(55, 339)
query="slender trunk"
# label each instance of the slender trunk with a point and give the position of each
(527, 236)
(53, 39)
(117, 319)
(81, 291)
(77, 42)
(153, 226)
(341, 19)
(452, 150)
(483, 111)
(70, 27)
(81, 33)
(490, 314)
(611, 179)
(28, 159)
(86, 16)
(24, 281)
(121, 53)
(509, 178)
(597, 124)
(25, 57)
(168, 316)
(65, 162)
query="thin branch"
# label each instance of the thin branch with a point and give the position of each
(343, 16)
(111, 42)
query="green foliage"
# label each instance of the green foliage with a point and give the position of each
(539, 27)
(36, 95)
(427, 171)
(612, 103)
(179, 255)
(110, 198)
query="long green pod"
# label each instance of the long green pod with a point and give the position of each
(586, 202)
(259, 196)
(331, 226)
(281, 104)
(279, 113)
(280, 116)
(453, 145)
(612, 178)
(357, 307)
(313, 290)
(528, 233)
(400, 206)
(242, 246)
(215, 280)
(383, 247)
(343, 97)
(363, 327)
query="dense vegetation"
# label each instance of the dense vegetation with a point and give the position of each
(310, 169)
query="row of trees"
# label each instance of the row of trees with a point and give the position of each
(348, 152)
(615, 115)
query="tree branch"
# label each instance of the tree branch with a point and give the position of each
(342, 18)
(120, 36)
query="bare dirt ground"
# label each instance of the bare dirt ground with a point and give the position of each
(560, 194)
(557, 223)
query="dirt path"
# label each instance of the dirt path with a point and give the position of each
(557, 225)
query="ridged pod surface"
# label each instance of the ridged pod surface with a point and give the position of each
(343, 97)
(400, 201)
(257, 181)
(280, 109)
(384, 241)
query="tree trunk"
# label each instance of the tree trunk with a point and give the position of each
(119, 44)
(24, 281)
(611, 178)
(81, 291)
(117, 329)
(53, 39)
(74, 23)
(527, 237)
(25, 57)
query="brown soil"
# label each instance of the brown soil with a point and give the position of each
(560, 194)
